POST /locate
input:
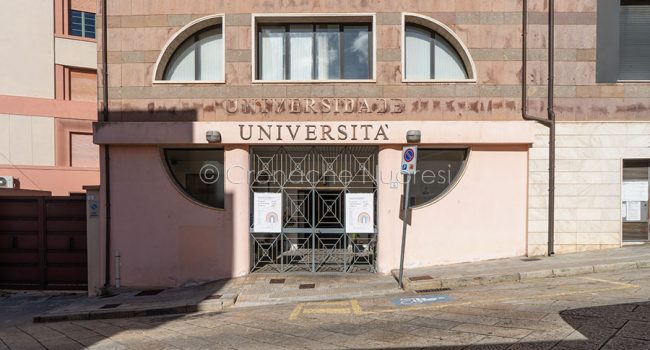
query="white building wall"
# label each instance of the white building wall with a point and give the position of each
(27, 48)
(588, 183)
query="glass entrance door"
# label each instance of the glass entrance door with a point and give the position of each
(313, 183)
(634, 200)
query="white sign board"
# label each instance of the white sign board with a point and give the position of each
(634, 191)
(633, 211)
(409, 159)
(359, 213)
(267, 212)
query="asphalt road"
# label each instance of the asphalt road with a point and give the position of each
(597, 311)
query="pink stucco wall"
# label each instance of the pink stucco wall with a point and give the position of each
(165, 239)
(482, 217)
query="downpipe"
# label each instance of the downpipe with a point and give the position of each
(549, 121)
(107, 179)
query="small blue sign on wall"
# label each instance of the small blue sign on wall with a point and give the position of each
(425, 299)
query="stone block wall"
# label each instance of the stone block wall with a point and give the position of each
(138, 30)
(588, 184)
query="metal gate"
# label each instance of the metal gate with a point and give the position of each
(313, 182)
(43, 242)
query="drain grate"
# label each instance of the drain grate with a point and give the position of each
(213, 296)
(530, 259)
(420, 278)
(149, 292)
(435, 290)
(110, 306)
(307, 286)
(277, 280)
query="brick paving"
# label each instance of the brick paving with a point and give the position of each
(599, 311)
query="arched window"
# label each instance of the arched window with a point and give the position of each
(429, 56)
(198, 172)
(200, 57)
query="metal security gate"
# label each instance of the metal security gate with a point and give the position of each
(43, 242)
(313, 182)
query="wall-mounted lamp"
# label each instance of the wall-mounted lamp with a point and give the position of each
(213, 136)
(413, 136)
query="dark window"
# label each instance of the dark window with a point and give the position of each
(82, 24)
(437, 169)
(314, 52)
(634, 34)
(199, 173)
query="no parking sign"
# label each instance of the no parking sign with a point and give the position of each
(409, 158)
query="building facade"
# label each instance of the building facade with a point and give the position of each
(267, 136)
(48, 95)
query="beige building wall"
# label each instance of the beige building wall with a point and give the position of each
(76, 53)
(588, 184)
(26, 140)
(27, 48)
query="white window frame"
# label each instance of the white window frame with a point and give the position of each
(173, 39)
(284, 18)
(470, 68)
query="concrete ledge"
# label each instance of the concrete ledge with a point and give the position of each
(428, 282)
(206, 306)
(615, 267)
(573, 271)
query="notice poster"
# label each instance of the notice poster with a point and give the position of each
(267, 212)
(634, 191)
(633, 211)
(360, 213)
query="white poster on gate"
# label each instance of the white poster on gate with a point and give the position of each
(267, 212)
(359, 213)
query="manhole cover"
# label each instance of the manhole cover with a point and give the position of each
(149, 292)
(420, 278)
(307, 286)
(277, 281)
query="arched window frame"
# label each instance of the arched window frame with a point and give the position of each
(176, 41)
(445, 32)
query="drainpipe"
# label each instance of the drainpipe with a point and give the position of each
(107, 182)
(549, 121)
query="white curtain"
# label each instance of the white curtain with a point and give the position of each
(301, 44)
(448, 65)
(181, 65)
(327, 52)
(417, 54)
(211, 57)
(272, 53)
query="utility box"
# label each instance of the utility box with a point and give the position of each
(93, 240)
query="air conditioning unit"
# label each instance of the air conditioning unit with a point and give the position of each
(6, 182)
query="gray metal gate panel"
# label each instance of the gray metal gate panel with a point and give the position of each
(313, 182)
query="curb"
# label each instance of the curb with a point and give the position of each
(425, 282)
(215, 306)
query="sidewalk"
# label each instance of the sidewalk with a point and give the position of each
(251, 290)
(522, 268)
(270, 289)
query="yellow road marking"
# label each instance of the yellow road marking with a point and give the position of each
(327, 308)
(326, 311)
(355, 308)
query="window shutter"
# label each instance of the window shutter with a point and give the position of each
(634, 42)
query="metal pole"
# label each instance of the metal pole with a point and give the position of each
(551, 139)
(550, 120)
(404, 223)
